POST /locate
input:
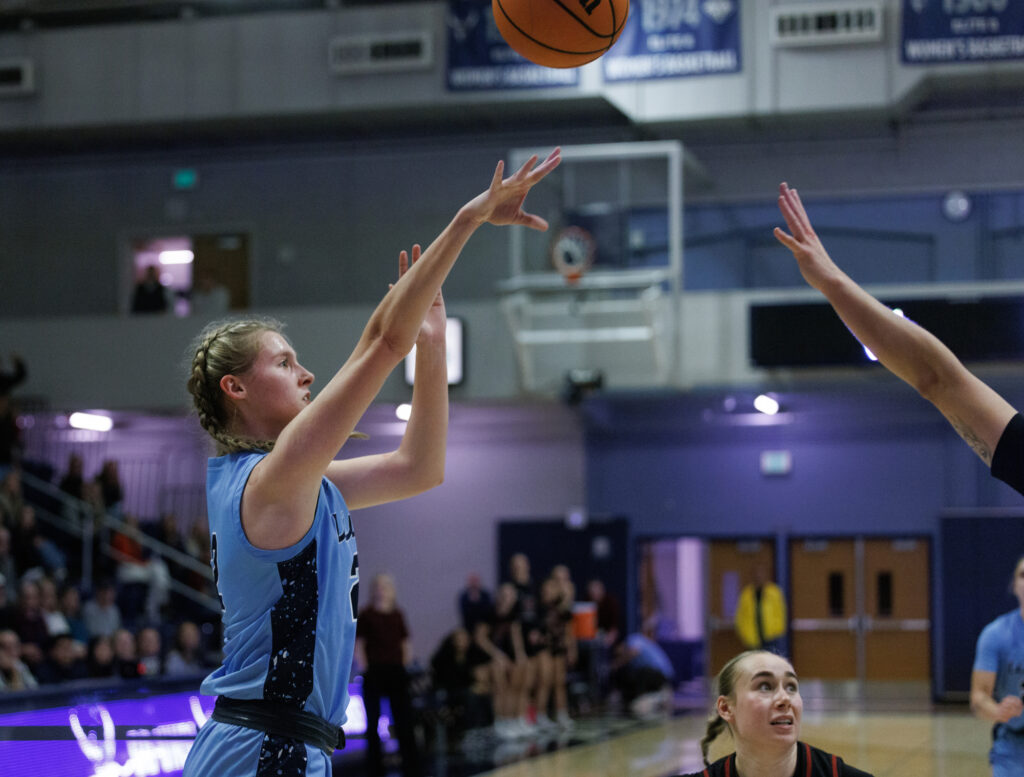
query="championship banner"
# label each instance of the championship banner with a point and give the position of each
(939, 31)
(676, 38)
(479, 58)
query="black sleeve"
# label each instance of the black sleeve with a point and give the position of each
(848, 771)
(1008, 458)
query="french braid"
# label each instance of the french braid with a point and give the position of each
(225, 348)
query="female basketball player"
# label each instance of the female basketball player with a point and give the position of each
(758, 701)
(283, 548)
(997, 683)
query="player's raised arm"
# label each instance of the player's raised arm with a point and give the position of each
(913, 354)
(418, 463)
(270, 399)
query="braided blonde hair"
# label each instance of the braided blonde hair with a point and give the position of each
(725, 685)
(225, 348)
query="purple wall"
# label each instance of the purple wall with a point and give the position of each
(878, 463)
(523, 459)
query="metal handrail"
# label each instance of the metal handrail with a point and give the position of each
(85, 531)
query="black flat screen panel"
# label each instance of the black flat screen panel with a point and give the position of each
(812, 335)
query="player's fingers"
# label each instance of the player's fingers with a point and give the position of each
(786, 239)
(791, 220)
(415, 252)
(549, 164)
(533, 222)
(403, 262)
(801, 211)
(527, 166)
(498, 171)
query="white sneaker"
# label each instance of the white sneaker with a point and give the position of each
(564, 721)
(645, 707)
(524, 728)
(506, 729)
(543, 721)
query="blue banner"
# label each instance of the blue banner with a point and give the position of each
(674, 38)
(479, 58)
(936, 31)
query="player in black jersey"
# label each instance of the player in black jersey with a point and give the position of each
(758, 700)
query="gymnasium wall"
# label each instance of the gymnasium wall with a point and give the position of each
(331, 177)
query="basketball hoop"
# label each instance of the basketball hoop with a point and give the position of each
(572, 253)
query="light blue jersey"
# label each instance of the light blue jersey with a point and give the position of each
(289, 627)
(1001, 650)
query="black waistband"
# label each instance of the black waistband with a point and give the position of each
(280, 720)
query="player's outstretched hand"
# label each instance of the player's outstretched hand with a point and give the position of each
(502, 203)
(815, 264)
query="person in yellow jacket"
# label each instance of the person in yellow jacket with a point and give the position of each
(761, 614)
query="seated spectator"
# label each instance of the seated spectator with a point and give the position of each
(12, 499)
(7, 609)
(474, 603)
(32, 550)
(14, 674)
(100, 659)
(144, 580)
(147, 646)
(64, 663)
(82, 495)
(56, 623)
(167, 531)
(71, 607)
(196, 543)
(642, 673)
(111, 492)
(186, 656)
(73, 482)
(7, 566)
(101, 613)
(459, 670)
(10, 434)
(126, 657)
(30, 624)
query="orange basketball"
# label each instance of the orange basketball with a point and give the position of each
(560, 33)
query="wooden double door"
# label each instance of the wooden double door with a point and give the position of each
(859, 608)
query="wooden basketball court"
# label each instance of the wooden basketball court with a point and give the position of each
(937, 743)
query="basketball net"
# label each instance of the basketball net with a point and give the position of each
(572, 253)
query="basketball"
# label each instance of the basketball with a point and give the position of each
(560, 33)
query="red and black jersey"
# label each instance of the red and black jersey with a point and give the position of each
(810, 762)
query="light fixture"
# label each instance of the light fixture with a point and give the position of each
(403, 411)
(178, 256)
(91, 421)
(766, 404)
(956, 205)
